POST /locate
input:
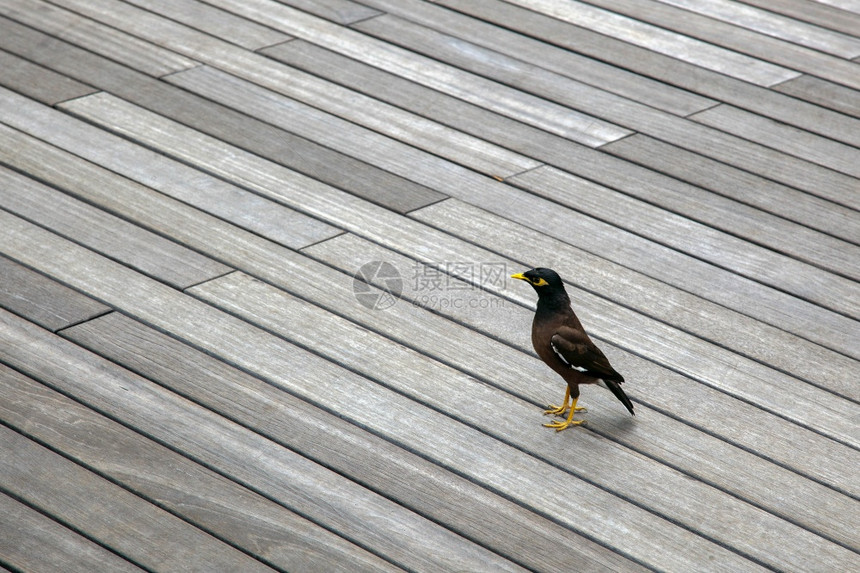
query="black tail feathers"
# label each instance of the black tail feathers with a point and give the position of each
(615, 388)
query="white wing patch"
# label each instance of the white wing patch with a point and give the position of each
(563, 359)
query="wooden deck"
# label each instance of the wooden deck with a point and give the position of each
(255, 306)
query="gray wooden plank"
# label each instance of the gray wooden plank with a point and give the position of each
(796, 142)
(818, 13)
(399, 367)
(152, 255)
(344, 136)
(714, 284)
(639, 32)
(43, 301)
(519, 535)
(849, 5)
(367, 111)
(360, 216)
(327, 288)
(497, 97)
(620, 111)
(718, 35)
(800, 279)
(66, 25)
(808, 329)
(823, 93)
(31, 541)
(652, 387)
(219, 23)
(254, 135)
(740, 186)
(771, 24)
(38, 82)
(564, 62)
(707, 363)
(451, 444)
(212, 195)
(338, 11)
(698, 80)
(163, 477)
(813, 248)
(599, 167)
(307, 488)
(101, 510)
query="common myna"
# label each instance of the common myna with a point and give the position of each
(561, 342)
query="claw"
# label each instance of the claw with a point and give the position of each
(555, 410)
(559, 426)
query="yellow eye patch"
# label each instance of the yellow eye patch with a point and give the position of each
(539, 282)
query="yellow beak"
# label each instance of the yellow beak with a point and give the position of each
(520, 276)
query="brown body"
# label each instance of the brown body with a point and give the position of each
(562, 343)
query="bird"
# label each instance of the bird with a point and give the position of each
(562, 343)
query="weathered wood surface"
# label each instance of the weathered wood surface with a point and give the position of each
(189, 379)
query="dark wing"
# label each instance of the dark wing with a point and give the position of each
(578, 352)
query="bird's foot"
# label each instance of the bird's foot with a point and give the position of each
(559, 426)
(560, 410)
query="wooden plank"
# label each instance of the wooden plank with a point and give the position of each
(359, 216)
(284, 274)
(761, 302)
(796, 142)
(311, 327)
(142, 250)
(766, 22)
(564, 62)
(83, 501)
(823, 93)
(212, 195)
(818, 13)
(218, 23)
(281, 266)
(620, 111)
(306, 87)
(849, 5)
(735, 40)
(469, 87)
(327, 288)
(800, 279)
(640, 33)
(652, 387)
(451, 444)
(518, 534)
(43, 301)
(222, 508)
(65, 25)
(574, 158)
(254, 135)
(708, 363)
(37, 82)
(338, 11)
(31, 541)
(346, 137)
(675, 72)
(239, 454)
(791, 236)
(741, 186)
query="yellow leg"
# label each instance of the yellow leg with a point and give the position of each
(560, 410)
(559, 426)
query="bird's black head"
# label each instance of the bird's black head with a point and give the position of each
(544, 281)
